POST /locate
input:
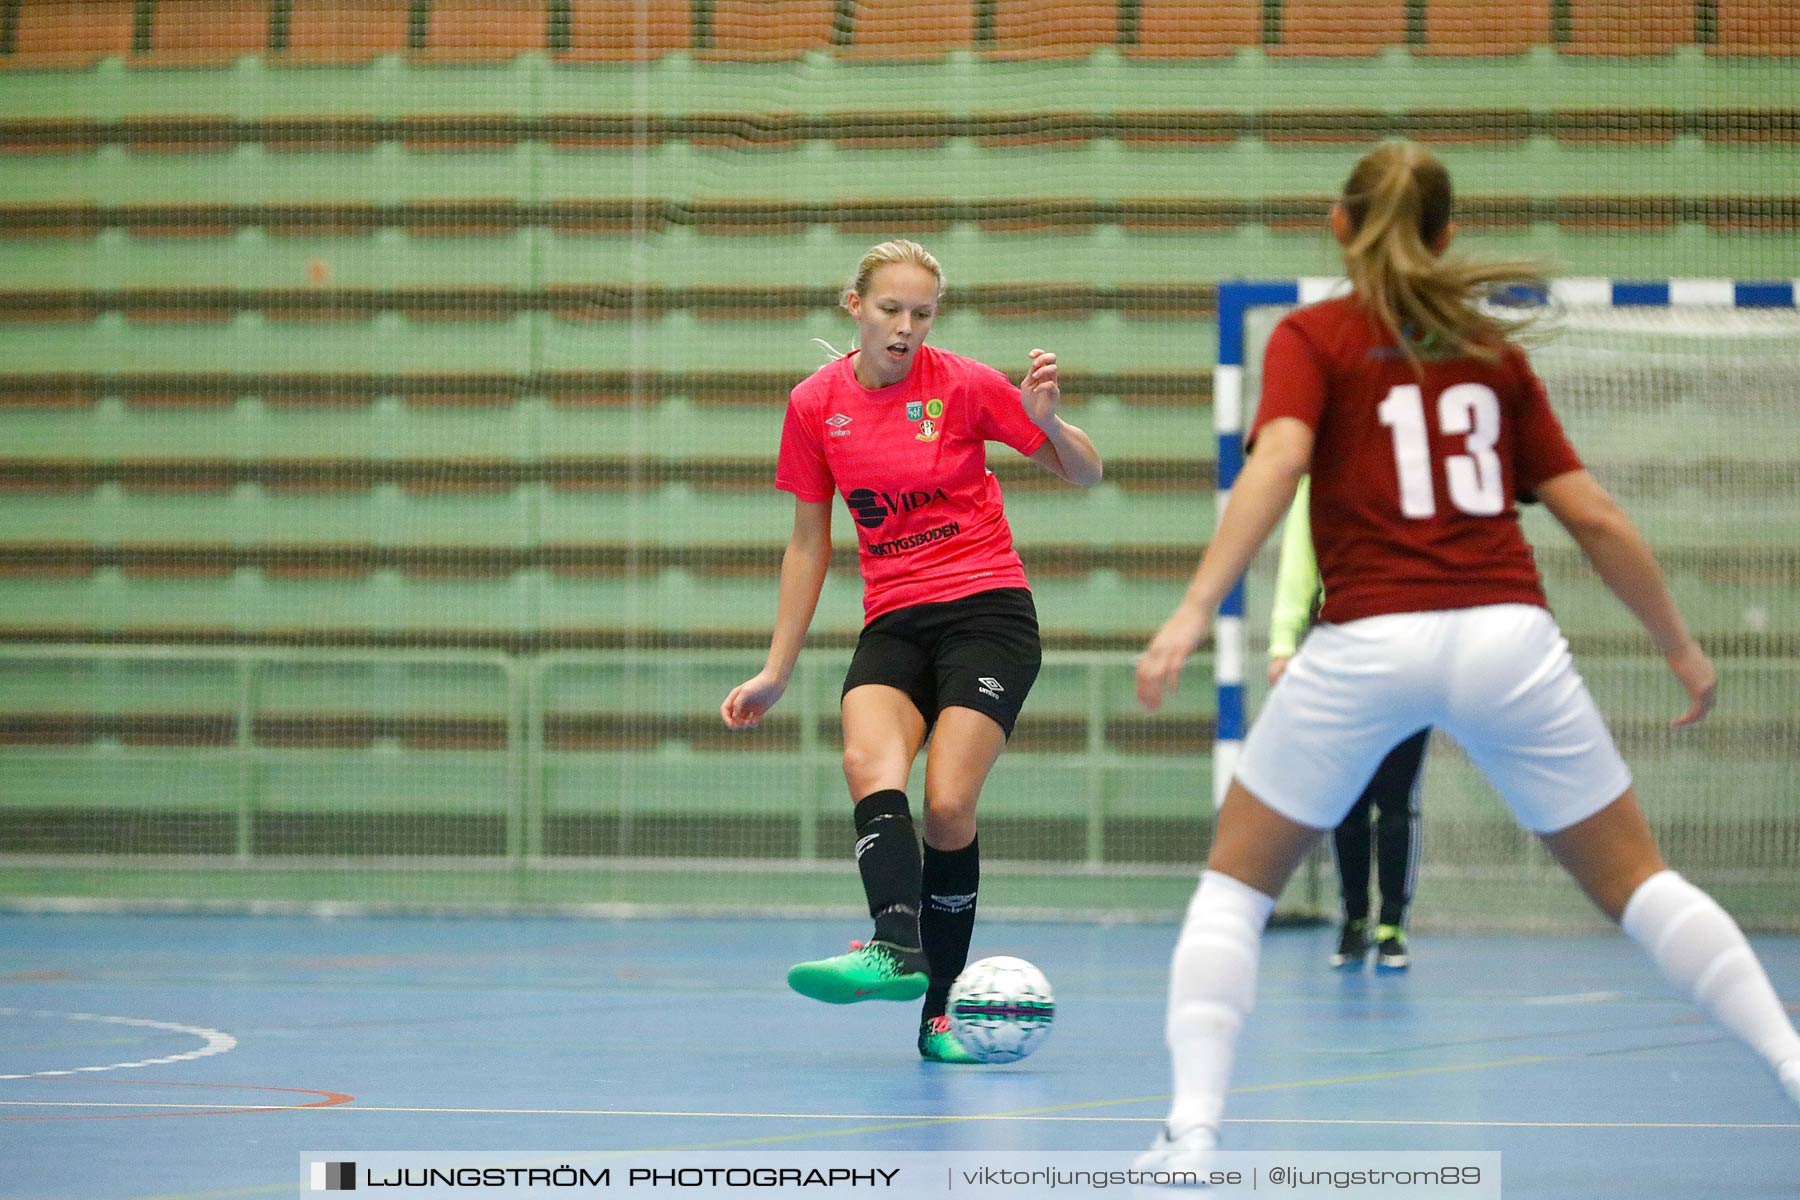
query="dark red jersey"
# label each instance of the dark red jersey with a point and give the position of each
(1415, 478)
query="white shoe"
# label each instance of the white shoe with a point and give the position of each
(1193, 1153)
(1789, 1074)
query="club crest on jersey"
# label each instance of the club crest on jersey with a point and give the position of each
(915, 409)
(928, 431)
(934, 408)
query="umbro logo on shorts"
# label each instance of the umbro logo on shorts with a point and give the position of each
(990, 688)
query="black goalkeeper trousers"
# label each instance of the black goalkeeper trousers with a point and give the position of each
(1392, 797)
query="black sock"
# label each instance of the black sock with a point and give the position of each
(947, 917)
(887, 854)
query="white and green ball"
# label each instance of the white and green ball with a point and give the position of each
(1001, 1008)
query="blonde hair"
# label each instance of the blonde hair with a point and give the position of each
(895, 252)
(1398, 203)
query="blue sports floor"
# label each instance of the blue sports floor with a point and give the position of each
(199, 1056)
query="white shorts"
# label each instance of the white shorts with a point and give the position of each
(1498, 679)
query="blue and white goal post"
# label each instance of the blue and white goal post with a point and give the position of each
(1238, 298)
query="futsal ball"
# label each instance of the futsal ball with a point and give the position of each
(1001, 1009)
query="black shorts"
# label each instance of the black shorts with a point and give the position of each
(980, 652)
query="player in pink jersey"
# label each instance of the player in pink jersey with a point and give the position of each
(950, 641)
(1423, 426)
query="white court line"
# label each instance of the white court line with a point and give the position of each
(768, 1116)
(216, 1042)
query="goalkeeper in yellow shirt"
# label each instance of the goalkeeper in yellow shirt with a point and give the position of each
(1392, 795)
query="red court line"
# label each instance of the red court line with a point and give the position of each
(331, 1099)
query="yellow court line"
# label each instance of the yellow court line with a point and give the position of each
(261, 1189)
(908, 1122)
(1063, 1108)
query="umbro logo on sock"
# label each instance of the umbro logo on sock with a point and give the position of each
(863, 843)
(952, 903)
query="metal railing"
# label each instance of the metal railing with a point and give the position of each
(523, 681)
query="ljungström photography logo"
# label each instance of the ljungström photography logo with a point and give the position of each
(334, 1177)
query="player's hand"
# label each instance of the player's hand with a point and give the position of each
(1277, 667)
(1159, 666)
(1696, 673)
(749, 700)
(1040, 393)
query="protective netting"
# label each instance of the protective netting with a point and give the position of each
(391, 392)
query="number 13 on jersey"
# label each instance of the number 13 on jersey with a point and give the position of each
(1470, 409)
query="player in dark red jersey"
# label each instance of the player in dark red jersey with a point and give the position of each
(1422, 426)
(950, 641)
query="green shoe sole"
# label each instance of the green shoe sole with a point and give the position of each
(833, 982)
(944, 1048)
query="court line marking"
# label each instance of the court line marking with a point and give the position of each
(164, 1109)
(1530, 1060)
(1046, 1116)
(217, 1042)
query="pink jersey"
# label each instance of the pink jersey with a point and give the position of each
(1415, 480)
(911, 463)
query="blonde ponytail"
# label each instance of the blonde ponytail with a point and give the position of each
(1398, 204)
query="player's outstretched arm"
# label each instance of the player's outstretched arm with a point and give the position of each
(1626, 565)
(1261, 495)
(803, 567)
(1069, 453)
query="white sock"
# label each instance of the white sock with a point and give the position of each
(1701, 950)
(1212, 988)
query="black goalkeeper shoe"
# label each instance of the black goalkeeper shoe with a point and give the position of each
(1352, 948)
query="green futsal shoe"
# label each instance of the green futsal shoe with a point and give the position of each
(937, 1042)
(872, 971)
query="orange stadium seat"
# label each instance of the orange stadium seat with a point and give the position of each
(347, 31)
(1196, 28)
(1334, 29)
(627, 30)
(905, 30)
(486, 30)
(59, 33)
(186, 32)
(1757, 27)
(751, 30)
(1628, 28)
(1063, 29)
(1475, 28)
